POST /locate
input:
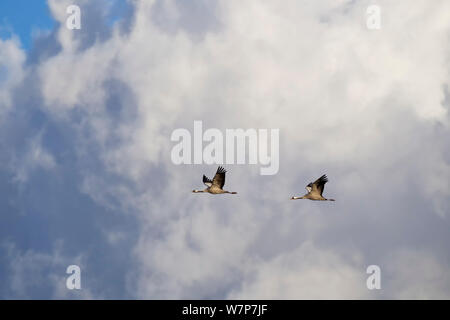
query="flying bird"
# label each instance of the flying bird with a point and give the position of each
(215, 185)
(315, 190)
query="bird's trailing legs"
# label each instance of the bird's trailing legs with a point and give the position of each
(304, 197)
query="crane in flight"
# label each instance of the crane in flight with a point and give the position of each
(215, 185)
(315, 190)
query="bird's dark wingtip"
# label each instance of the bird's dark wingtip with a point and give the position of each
(220, 169)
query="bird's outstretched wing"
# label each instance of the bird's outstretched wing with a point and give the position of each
(319, 184)
(208, 182)
(219, 178)
(309, 187)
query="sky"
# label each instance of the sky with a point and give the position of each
(86, 175)
(23, 18)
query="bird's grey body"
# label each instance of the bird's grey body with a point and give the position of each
(315, 190)
(215, 185)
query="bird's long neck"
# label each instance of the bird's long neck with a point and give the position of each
(296, 198)
(231, 192)
(198, 191)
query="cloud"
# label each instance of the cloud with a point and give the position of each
(35, 157)
(369, 108)
(416, 274)
(11, 71)
(31, 271)
(304, 273)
